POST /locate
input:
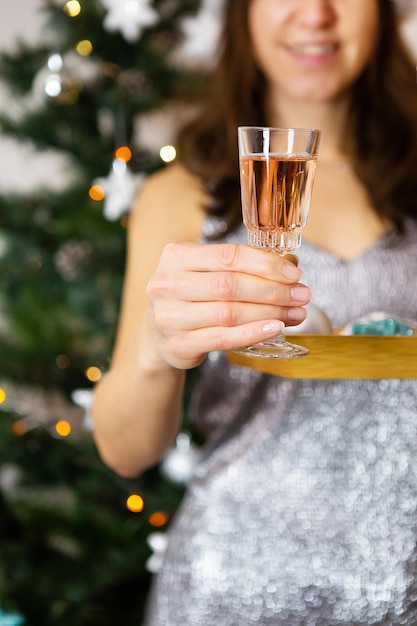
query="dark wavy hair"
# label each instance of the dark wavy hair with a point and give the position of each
(381, 125)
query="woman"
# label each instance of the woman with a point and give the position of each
(303, 509)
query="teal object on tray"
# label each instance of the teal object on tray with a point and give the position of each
(11, 619)
(388, 326)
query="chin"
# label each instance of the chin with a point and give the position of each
(319, 94)
(317, 89)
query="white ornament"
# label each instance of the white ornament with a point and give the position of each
(180, 462)
(84, 399)
(11, 475)
(119, 187)
(201, 33)
(158, 543)
(129, 17)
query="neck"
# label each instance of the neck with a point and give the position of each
(329, 117)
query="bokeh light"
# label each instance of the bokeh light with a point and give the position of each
(19, 428)
(72, 8)
(158, 519)
(97, 193)
(53, 85)
(124, 221)
(168, 154)
(63, 428)
(135, 503)
(55, 63)
(93, 374)
(123, 153)
(84, 47)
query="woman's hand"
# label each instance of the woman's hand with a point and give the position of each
(220, 297)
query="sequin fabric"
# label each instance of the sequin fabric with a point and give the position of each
(303, 509)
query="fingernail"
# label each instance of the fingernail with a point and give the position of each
(301, 294)
(273, 327)
(291, 271)
(296, 314)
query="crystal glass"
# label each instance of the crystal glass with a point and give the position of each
(277, 168)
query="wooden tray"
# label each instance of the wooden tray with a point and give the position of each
(342, 356)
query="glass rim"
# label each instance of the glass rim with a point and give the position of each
(282, 128)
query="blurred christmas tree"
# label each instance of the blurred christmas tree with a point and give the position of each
(103, 90)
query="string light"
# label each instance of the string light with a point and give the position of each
(96, 193)
(53, 85)
(124, 221)
(123, 153)
(63, 428)
(55, 63)
(2, 396)
(72, 8)
(84, 47)
(93, 374)
(168, 153)
(19, 428)
(158, 519)
(135, 503)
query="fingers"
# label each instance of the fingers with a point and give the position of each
(222, 315)
(227, 287)
(213, 339)
(230, 258)
(206, 298)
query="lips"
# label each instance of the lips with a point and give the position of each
(313, 49)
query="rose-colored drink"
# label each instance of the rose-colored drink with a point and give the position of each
(276, 194)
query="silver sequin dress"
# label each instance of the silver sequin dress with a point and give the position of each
(303, 510)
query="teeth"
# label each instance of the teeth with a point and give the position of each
(314, 49)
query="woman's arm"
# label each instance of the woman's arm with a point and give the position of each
(137, 405)
(180, 301)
